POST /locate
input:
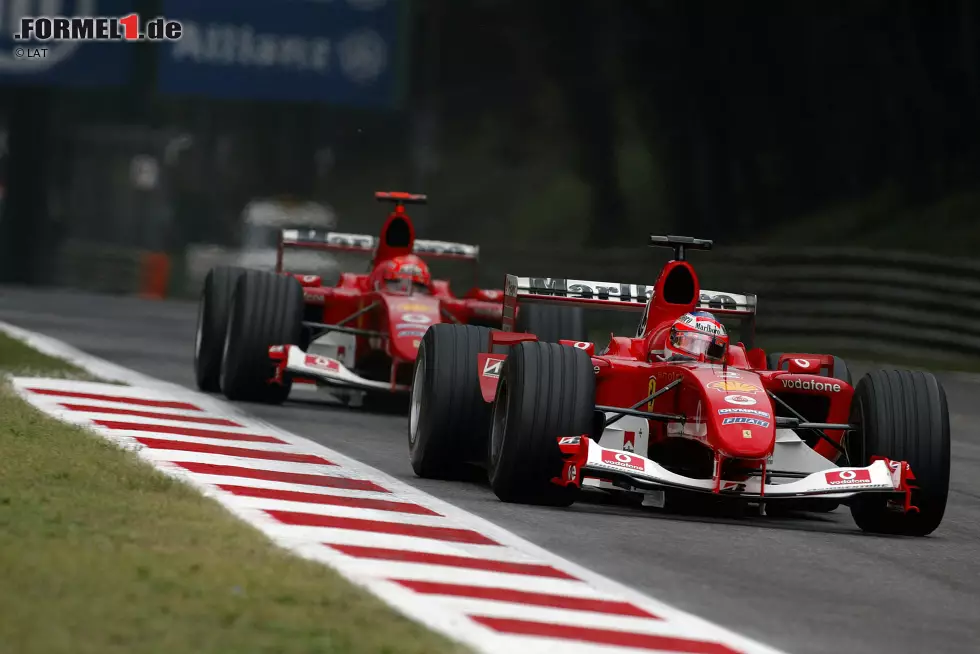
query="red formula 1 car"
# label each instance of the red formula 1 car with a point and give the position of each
(730, 424)
(259, 331)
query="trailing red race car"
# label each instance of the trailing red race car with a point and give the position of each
(677, 411)
(258, 331)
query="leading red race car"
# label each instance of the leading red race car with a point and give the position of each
(679, 410)
(259, 331)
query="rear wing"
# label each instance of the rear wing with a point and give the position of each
(312, 239)
(607, 295)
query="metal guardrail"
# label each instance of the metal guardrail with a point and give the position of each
(860, 300)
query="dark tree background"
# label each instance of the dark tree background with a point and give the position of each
(757, 111)
(552, 123)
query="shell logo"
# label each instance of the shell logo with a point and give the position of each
(729, 386)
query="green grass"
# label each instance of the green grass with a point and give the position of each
(101, 553)
(18, 358)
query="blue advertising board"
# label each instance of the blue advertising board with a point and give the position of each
(66, 63)
(334, 51)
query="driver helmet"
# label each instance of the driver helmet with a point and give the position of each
(697, 335)
(402, 274)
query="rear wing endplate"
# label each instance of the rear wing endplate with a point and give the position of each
(606, 295)
(339, 241)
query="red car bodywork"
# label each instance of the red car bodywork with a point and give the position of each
(387, 326)
(724, 426)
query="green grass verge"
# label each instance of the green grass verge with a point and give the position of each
(101, 553)
(18, 358)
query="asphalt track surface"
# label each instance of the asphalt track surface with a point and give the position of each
(808, 584)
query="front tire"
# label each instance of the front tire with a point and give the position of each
(903, 416)
(448, 419)
(212, 325)
(267, 309)
(545, 391)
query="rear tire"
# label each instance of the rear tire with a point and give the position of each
(545, 391)
(552, 323)
(448, 419)
(267, 309)
(212, 325)
(903, 416)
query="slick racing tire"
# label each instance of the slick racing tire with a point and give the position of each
(267, 309)
(841, 371)
(545, 391)
(448, 419)
(904, 416)
(212, 325)
(552, 323)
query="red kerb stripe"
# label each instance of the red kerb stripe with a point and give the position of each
(448, 534)
(334, 500)
(139, 401)
(153, 415)
(611, 607)
(603, 636)
(323, 481)
(189, 431)
(163, 444)
(429, 558)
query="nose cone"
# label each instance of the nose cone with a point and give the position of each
(741, 414)
(408, 319)
(746, 436)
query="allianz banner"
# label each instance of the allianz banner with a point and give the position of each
(64, 63)
(334, 51)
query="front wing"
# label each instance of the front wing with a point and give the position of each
(291, 360)
(587, 459)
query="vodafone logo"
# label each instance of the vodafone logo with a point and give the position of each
(809, 385)
(803, 363)
(740, 400)
(622, 459)
(321, 362)
(842, 477)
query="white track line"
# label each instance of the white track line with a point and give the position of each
(446, 568)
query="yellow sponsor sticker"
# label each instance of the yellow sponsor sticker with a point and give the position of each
(409, 308)
(651, 389)
(732, 386)
(746, 433)
(416, 343)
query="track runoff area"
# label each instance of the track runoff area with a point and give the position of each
(444, 567)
